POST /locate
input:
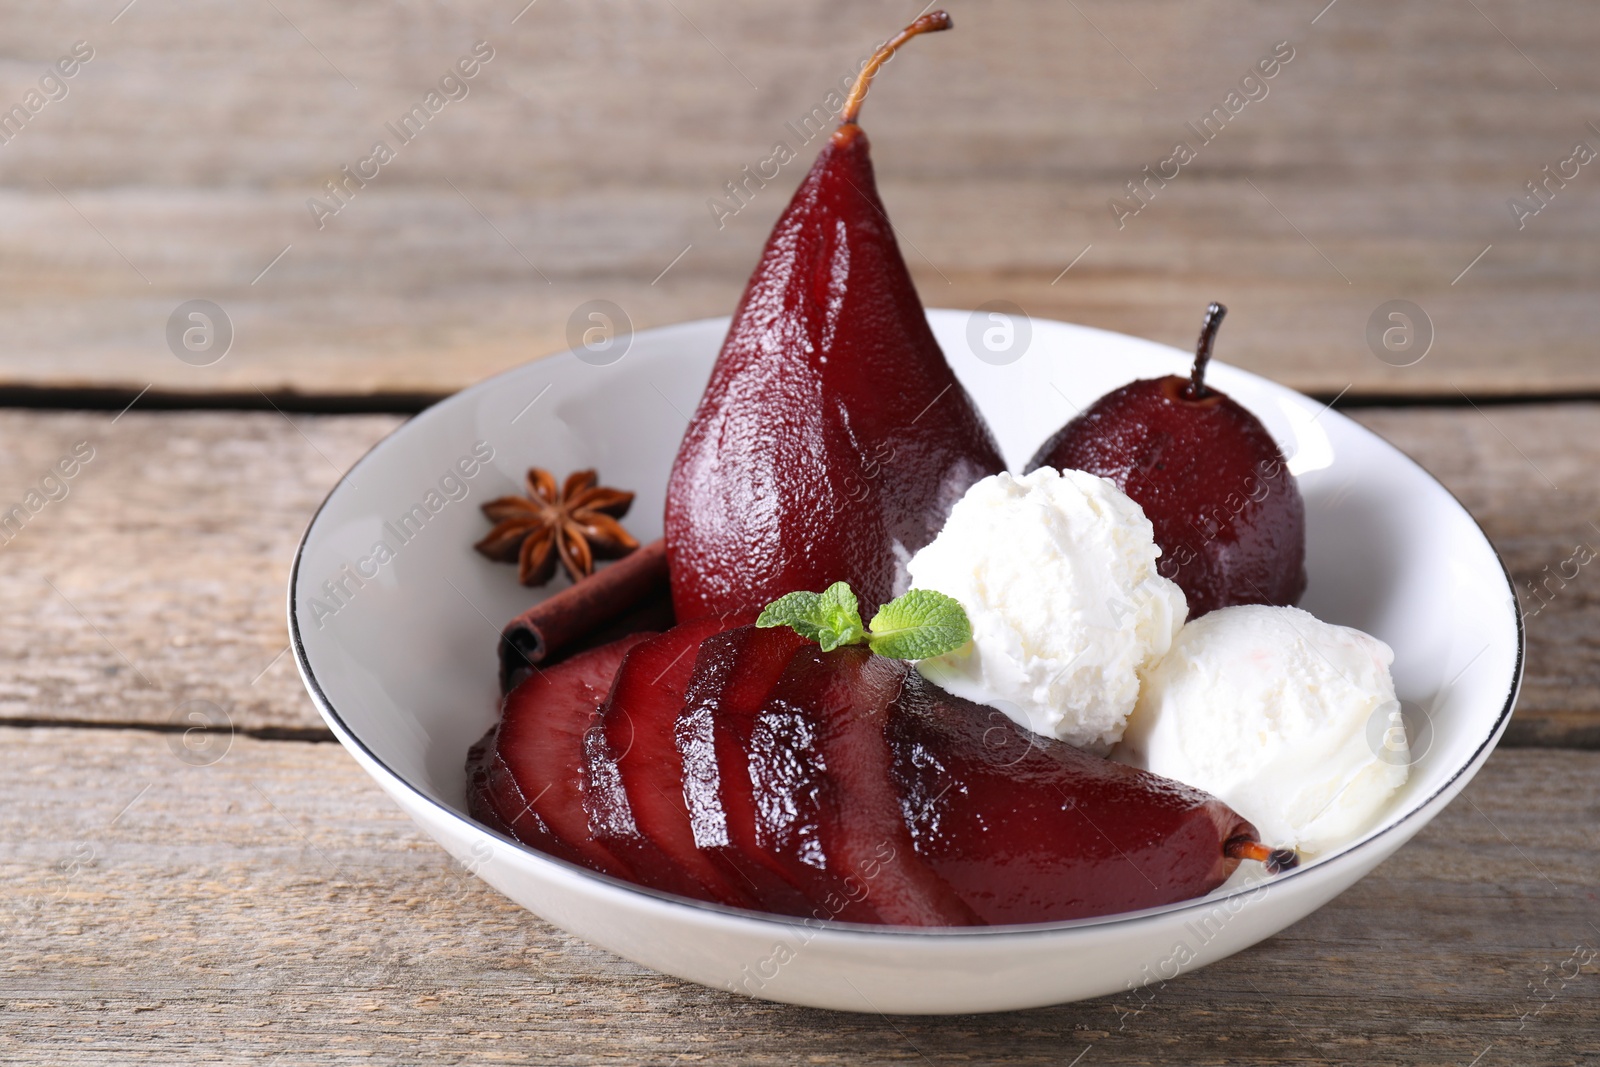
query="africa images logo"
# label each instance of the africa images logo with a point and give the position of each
(340, 589)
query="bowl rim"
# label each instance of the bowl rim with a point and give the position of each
(349, 739)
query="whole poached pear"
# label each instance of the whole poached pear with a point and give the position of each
(1226, 511)
(833, 438)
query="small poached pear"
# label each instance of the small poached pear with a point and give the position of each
(1213, 483)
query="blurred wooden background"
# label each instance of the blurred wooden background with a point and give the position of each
(1378, 167)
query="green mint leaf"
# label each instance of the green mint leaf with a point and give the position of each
(841, 617)
(831, 618)
(789, 609)
(919, 625)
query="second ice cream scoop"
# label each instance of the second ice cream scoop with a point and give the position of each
(1290, 720)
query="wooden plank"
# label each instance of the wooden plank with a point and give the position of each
(1378, 166)
(275, 903)
(159, 578)
(170, 554)
(1527, 474)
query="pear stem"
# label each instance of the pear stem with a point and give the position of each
(932, 22)
(1202, 354)
(1275, 860)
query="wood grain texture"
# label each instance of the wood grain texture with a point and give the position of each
(580, 165)
(160, 577)
(170, 555)
(276, 904)
(1527, 474)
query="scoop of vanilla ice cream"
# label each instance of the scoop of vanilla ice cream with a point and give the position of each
(1057, 573)
(1289, 720)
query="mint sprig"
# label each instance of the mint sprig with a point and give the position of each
(918, 625)
(831, 618)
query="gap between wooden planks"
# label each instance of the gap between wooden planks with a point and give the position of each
(587, 156)
(160, 577)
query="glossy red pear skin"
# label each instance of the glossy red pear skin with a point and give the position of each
(733, 674)
(1027, 829)
(530, 781)
(766, 770)
(839, 786)
(639, 720)
(819, 763)
(1226, 511)
(609, 802)
(479, 803)
(833, 435)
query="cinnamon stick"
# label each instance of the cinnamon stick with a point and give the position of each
(627, 596)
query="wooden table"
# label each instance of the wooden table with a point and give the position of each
(273, 905)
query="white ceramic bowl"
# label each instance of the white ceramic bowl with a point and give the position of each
(400, 657)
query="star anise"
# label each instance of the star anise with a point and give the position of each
(576, 524)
